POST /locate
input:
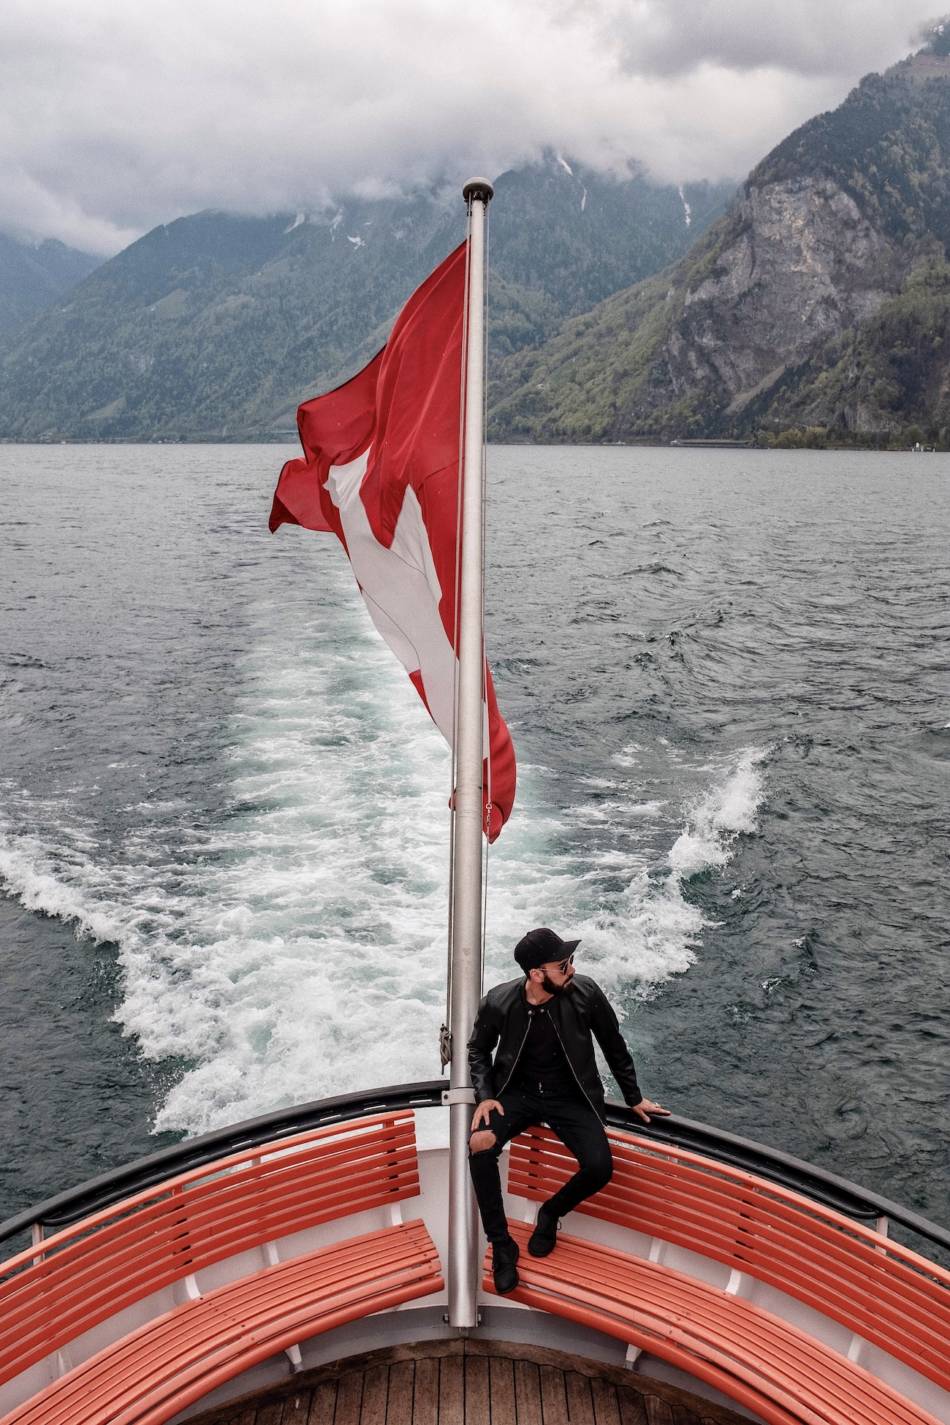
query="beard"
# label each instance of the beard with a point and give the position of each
(551, 988)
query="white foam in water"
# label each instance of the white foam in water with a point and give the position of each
(29, 872)
(637, 926)
(627, 756)
(297, 949)
(320, 935)
(727, 810)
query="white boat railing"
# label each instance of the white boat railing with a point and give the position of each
(824, 1187)
(691, 1208)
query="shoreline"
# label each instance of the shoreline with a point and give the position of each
(648, 443)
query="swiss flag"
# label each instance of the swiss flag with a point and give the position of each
(381, 472)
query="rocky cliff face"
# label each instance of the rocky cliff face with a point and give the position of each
(802, 262)
(827, 230)
(888, 375)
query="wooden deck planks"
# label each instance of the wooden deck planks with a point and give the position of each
(296, 1409)
(501, 1376)
(402, 1380)
(322, 1403)
(553, 1396)
(375, 1396)
(349, 1399)
(425, 1395)
(528, 1393)
(633, 1408)
(470, 1382)
(606, 1405)
(270, 1414)
(477, 1405)
(452, 1390)
(580, 1403)
(679, 1418)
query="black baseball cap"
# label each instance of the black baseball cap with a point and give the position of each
(542, 947)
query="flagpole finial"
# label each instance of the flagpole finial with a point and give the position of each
(478, 189)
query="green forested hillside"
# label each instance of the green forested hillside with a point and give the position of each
(33, 276)
(586, 382)
(217, 326)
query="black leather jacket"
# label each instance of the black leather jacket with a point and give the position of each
(580, 1015)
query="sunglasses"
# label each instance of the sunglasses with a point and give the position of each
(563, 965)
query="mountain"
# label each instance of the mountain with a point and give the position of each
(217, 326)
(34, 276)
(819, 299)
(890, 375)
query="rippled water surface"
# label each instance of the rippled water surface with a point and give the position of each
(223, 815)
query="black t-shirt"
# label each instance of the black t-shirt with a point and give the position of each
(542, 1062)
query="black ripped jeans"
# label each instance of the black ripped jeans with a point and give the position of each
(573, 1120)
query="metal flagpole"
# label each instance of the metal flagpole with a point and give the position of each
(466, 910)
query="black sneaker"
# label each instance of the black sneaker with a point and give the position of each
(543, 1239)
(504, 1255)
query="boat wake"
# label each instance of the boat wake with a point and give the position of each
(616, 871)
(293, 945)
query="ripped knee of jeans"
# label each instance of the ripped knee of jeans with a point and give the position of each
(482, 1142)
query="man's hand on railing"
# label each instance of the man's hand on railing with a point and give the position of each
(646, 1106)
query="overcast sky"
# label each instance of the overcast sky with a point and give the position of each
(116, 116)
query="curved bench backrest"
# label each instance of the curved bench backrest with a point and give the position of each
(54, 1292)
(881, 1290)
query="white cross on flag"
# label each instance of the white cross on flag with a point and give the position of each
(381, 472)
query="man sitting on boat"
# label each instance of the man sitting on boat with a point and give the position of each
(541, 1029)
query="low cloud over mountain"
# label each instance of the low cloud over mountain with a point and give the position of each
(114, 118)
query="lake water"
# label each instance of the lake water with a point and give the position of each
(223, 818)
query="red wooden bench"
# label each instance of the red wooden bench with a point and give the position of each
(884, 1293)
(54, 1293)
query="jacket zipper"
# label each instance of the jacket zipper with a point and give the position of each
(517, 1057)
(571, 1067)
